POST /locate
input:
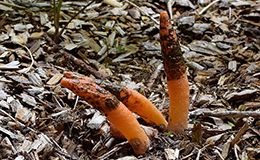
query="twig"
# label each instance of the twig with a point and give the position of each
(127, 1)
(48, 38)
(76, 102)
(66, 24)
(169, 7)
(189, 155)
(200, 150)
(250, 22)
(60, 149)
(235, 150)
(12, 5)
(218, 154)
(234, 114)
(155, 74)
(16, 121)
(113, 150)
(242, 131)
(2, 21)
(208, 6)
(41, 101)
(25, 70)
(82, 64)
(75, 60)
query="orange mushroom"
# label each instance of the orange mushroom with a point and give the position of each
(177, 81)
(115, 111)
(133, 100)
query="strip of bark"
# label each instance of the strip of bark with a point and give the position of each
(234, 114)
(155, 74)
(74, 59)
(83, 65)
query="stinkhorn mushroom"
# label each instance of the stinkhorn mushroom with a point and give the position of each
(133, 100)
(115, 111)
(177, 81)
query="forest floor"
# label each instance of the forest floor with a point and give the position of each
(119, 42)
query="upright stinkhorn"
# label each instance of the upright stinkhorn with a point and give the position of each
(133, 100)
(177, 81)
(115, 111)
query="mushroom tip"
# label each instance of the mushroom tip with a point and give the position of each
(164, 16)
(138, 146)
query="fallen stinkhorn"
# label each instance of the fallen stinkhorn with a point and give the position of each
(133, 100)
(177, 81)
(115, 111)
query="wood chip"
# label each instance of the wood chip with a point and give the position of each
(10, 134)
(240, 95)
(55, 79)
(28, 99)
(23, 115)
(96, 121)
(172, 154)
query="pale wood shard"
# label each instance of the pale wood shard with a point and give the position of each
(247, 93)
(97, 121)
(25, 146)
(8, 144)
(23, 114)
(55, 79)
(113, 3)
(35, 79)
(11, 65)
(4, 104)
(15, 104)
(71, 147)
(40, 143)
(28, 99)
(11, 134)
(172, 154)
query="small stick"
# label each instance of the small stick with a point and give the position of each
(16, 121)
(242, 131)
(82, 64)
(75, 60)
(234, 114)
(235, 150)
(62, 30)
(208, 6)
(113, 150)
(169, 7)
(250, 22)
(218, 154)
(155, 74)
(2, 21)
(41, 101)
(25, 70)
(200, 150)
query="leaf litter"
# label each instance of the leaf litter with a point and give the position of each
(119, 41)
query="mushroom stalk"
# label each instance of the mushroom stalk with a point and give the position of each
(133, 100)
(115, 111)
(177, 81)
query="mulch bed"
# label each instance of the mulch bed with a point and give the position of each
(119, 42)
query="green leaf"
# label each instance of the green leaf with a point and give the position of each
(232, 131)
(231, 124)
(168, 133)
